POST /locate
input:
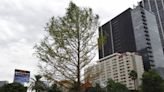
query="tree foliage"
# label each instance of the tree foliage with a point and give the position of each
(13, 87)
(69, 44)
(133, 75)
(113, 86)
(152, 82)
(97, 88)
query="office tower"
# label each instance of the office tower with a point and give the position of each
(116, 67)
(134, 30)
(157, 7)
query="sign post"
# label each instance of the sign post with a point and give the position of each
(21, 76)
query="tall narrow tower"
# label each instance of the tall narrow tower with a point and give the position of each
(157, 7)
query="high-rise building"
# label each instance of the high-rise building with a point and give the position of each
(157, 7)
(134, 30)
(116, 67)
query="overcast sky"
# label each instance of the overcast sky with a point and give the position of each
(22, 25)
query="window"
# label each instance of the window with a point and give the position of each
(145, 27)
(121, 63)
(121, 66)
(146, 35)
(143, 19)
(122, 75)
(142, 12)
(144, 23)
(148, 39)
(143, 16)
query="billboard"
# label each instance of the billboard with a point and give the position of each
(21, 76)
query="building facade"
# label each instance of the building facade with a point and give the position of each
(157, 7)
(134, 30)
(117, 67)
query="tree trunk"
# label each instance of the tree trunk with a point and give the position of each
(135, 85)
(78, 66)
(78, 79)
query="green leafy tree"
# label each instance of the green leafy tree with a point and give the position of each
(13, 87)
(37, 84)
(74, 87)
(69, 45)
(133, 75)
(162, 85)
(97, 88)
(152, 82)
(113, 86)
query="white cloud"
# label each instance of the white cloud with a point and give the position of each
(22, 23)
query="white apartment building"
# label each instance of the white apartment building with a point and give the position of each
(117, 67)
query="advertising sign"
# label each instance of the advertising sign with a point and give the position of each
(21, 76)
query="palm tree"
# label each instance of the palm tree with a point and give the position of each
(37, 84)
(133, 75)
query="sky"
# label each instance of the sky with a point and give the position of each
(22, 25)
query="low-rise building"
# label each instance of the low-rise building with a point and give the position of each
(117, 67)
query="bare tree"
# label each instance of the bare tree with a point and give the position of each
(69, 45)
